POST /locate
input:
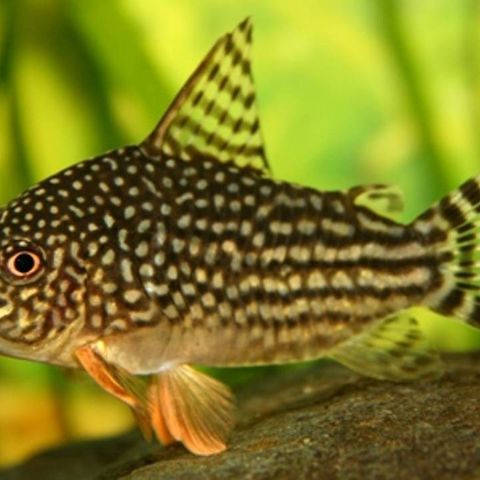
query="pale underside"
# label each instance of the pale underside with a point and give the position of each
(162, 348)
(166, 345)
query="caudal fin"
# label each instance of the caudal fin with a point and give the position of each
(452, 228)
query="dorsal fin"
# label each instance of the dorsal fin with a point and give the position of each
(215, 114)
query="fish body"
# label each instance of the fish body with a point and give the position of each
(261, 270)
(184, 250)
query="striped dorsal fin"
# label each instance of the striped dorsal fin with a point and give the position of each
(214, 115)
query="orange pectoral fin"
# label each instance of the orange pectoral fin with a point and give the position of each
(193, 408)
(118, 383)
(103, 374)
(157, 417)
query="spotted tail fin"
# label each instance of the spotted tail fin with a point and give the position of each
(452, 228)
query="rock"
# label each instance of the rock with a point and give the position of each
(320, 422)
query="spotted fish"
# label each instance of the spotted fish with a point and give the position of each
(183, 250)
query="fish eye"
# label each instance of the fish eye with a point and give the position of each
(23, 264)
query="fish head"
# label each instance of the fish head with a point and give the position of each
(42, 274)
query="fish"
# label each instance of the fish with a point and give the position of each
(142, 264)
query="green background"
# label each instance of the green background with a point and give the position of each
(350, 92)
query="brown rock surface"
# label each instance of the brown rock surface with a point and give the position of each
(320, 422)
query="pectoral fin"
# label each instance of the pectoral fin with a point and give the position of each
(118, 383)
(157, 415)
(192, 408)
(394, 349)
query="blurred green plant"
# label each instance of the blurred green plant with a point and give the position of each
(350, 92)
